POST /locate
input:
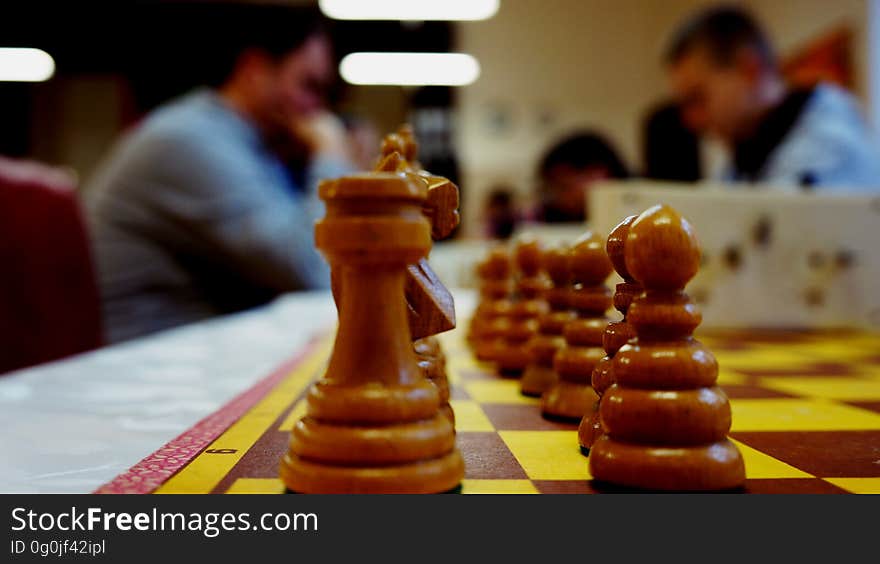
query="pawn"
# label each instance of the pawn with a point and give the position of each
(432, 361)
(512, 356)
(617, 333)
(572, 396)
(539, 375)
(490, 318)
(665, 420)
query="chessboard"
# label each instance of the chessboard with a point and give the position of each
(805, 405)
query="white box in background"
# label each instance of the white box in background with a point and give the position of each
(770, 259)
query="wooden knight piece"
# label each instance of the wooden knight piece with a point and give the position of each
(431, 307)
(572, 396)
(665, 420)
(373, 422)
(617, 333)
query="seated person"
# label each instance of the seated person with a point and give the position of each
(727, 81)
(500, 213)
(197, 211)
(670, 151)
(568, 170)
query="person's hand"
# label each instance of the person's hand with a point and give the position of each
(323, 134)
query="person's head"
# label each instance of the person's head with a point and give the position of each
(569, 169)
(723, 71)
(670, 150)
(500, 213)
(275, 62)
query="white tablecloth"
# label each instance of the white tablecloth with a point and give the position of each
(72, 425)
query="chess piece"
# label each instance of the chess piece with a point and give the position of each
(572, 396)
(398, 154)
(665, 421)
(432, 361)
(539, 375)
(527, 305)
(491, 317)
(431, 308)
(373, 422)
(486, 294)
(617, 333)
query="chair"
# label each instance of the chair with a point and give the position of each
(49, 305)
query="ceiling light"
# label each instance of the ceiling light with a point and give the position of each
(18, 64)
(410, 69)
(417, 10)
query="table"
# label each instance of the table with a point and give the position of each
(806, 409)
(72, 425)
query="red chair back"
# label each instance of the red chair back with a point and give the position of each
(49, 305)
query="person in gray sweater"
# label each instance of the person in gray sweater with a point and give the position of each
(196, 213)
(728, 82)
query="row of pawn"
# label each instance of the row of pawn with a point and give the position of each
(541, 318)
(643, 388)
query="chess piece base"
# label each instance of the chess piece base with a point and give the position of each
(567, 400)
(486, 350)
(537, 379)
(713, 467)
(677, 417)
(512, 359)
(426, 476)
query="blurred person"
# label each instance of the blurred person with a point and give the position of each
(670, 150)
(364, 139)
(726, 78)
(500, 213)
(567, 172)
(207, 206)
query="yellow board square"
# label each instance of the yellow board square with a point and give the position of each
(257, 486)
(452, 375)
(763, 358)
(799, 415)
(827, 388)
(868, 371)
(548, 455)
(497, 391)
(455, 350)
(469, 416)
(763, 466)
(498, 487)
(857, 485)
(297, 413)
(454, 367)
(730, 377)
(839, 351)
(854, 341)
(452, 340)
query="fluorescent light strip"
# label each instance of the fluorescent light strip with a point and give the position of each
(409, 10)
(410, 69)
(20, 64)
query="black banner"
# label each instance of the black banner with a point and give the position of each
(91, 528)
